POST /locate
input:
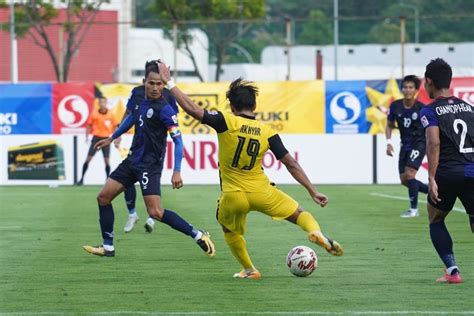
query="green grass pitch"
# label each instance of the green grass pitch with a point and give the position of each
(389, 264)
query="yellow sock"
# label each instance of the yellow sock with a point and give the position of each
(237, 245)
(307, 222)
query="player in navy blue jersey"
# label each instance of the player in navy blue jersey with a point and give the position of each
(404, 114)
(449, 124)
(136, 97)
(153, 119)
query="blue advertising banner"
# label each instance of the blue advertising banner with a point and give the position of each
(346, 102)
(25, 109)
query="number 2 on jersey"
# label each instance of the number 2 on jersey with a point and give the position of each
(253, 147)
(463, 124)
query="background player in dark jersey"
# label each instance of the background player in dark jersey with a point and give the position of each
(406, 114)
(136, 97)
(153, 119)
(449, 124)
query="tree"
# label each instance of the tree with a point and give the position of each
(385, 33)
(174, 11)
(439, 20)
(33, 17)
(208, 13)
(319, 31)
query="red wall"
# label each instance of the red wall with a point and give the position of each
(96, 59)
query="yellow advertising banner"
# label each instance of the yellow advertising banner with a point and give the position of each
(117, 95)
(295, 107)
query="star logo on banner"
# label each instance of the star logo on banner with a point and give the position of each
(380, 103)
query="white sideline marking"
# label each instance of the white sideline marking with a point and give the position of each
(396, 197)
(254, 313)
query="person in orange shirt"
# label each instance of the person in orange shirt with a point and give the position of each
(101, 124)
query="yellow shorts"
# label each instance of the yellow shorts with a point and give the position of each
(234, 206)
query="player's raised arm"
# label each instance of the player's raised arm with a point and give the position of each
(183, 100)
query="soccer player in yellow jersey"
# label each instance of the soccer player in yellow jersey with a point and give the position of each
(242, 143)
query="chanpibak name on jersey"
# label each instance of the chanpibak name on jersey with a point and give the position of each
(453, 109)
(250, 130)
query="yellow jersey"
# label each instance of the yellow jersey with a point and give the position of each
(243, 141)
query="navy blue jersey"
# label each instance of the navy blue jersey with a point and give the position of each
(412, 132)
(153, 120)
(455, 119)
(138, 95)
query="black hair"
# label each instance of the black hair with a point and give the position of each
(151, 66)
(242, 94)
(440, 72)
(412, 78)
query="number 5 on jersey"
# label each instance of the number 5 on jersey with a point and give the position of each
(144, 180)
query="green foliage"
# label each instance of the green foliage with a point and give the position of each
(318, 31)
(30, 15)
(385, 33)
(221, 35)
(314, 25)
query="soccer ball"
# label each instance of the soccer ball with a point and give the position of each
(302, 261)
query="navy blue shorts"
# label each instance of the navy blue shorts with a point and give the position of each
(452, 186)
(149, 178)
(411, 158)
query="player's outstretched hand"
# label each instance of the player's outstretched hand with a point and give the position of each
(320, 199)
(433, 191)
(164, 72)
(176, 180)
(390, 150)
(103, 143)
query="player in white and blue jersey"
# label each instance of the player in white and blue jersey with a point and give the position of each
(404, 114)
(449, 124)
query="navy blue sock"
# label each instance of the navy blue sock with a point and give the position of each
(443, 243)
(130, 197)
(422, 187)
(107, 170)
(413, 193)
(471, 220)
(177, 222)
(106, 220)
